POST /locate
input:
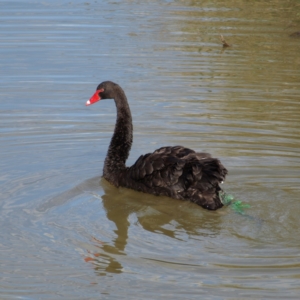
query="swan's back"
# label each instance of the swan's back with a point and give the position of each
(177, 172)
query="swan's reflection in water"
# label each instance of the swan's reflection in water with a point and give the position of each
(157, 215)
(120, 230)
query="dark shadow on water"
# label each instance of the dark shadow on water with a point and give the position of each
(125, 208)
(171, 218)
(158, 215)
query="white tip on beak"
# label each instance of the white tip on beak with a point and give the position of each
(88, 102)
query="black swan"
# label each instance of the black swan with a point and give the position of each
(176, 172)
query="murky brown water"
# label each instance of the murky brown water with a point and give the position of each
(67, 234)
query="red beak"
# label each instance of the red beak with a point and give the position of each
(95, 98)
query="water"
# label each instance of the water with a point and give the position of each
(65, 232)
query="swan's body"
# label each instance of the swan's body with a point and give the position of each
(176, 172)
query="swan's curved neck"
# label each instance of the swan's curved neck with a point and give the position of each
(121, 141)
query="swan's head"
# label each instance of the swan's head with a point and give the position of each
(105, 90)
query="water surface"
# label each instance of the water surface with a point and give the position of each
(68, 234)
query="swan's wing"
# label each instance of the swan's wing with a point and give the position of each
(177, 166)
(179, 173)
(159, 168)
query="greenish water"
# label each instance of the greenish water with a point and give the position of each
(65, 232)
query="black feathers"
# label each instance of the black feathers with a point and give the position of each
(179, 173)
